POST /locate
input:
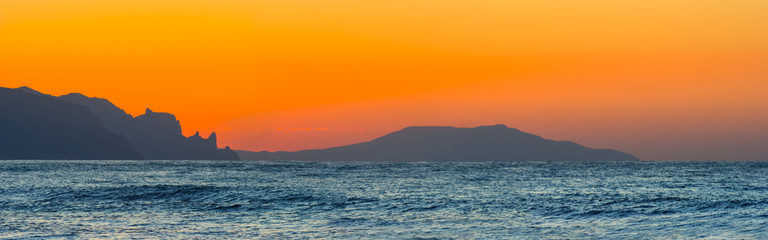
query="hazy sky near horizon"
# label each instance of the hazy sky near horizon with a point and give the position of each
(661, 79)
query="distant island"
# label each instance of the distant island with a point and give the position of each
(450, 144)
(34, 125)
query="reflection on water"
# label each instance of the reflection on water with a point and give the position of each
(209, 199)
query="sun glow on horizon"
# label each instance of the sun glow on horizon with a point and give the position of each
(615, 74)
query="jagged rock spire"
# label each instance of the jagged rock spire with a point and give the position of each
(212, 139)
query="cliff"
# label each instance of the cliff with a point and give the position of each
(37, 126)
(155, 135)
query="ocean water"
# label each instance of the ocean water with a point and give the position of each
(308, 200)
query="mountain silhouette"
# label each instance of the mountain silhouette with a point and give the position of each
(37, 126)
(153, 135)
(450, 144)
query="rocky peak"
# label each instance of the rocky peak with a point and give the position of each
(161, 122)
(212, 140)
(26, 89)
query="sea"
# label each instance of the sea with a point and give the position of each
(382, 200)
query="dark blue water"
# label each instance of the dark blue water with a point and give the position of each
(526, 200)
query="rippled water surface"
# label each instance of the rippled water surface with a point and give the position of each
(525, 200)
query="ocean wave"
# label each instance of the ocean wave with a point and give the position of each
(200, 200)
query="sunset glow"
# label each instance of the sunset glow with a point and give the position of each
(664, 80)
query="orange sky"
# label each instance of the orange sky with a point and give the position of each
(664, 80)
